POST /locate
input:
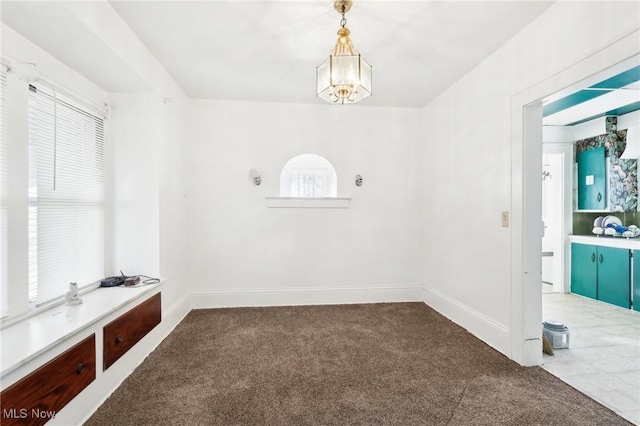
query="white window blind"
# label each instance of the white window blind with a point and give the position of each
(4, 285)
(66, 195)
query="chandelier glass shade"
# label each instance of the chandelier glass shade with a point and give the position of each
(344, 77)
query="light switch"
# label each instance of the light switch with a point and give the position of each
(505, 219)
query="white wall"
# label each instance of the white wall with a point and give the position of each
(146, 227)
(241, 252)
(469, 274)
(145, 135)
(135, 134)
(172, 236)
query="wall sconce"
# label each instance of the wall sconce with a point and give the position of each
(255, 177)
(358, 180)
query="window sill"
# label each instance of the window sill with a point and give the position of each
(314, 203)
(24, 340)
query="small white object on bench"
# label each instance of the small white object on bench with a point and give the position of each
(71, 298)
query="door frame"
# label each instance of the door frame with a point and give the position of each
(526, 194)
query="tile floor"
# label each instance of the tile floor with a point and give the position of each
(603, 358)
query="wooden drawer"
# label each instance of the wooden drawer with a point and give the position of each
(36, 398)
(122, 333)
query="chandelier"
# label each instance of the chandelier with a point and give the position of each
(344, 77)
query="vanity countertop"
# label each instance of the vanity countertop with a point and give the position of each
(605, 241)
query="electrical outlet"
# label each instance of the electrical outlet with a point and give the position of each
(505, 219)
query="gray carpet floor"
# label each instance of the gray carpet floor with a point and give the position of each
(379, 364)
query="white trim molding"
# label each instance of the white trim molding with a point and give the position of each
(484, 328)
(315, 203)
(206, 299)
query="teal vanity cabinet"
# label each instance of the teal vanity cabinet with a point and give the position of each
(584, 270)
(592, 179)
(601, 273)
(636, 280)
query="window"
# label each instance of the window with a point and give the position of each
(308, 176)
(66, 195)
(4, 293)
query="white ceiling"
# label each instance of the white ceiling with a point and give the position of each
(268, 50)
(54, 28)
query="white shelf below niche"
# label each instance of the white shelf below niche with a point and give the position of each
(309, 203)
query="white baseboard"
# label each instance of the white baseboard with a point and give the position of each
(532, 352)
(486, 329)
(176, 313)
(204, 299)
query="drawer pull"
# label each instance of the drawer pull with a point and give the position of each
(119, 339)
(80, 369)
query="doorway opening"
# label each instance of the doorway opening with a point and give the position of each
(598, 330)
(553, 220)
(582, 113)
(526, 191)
